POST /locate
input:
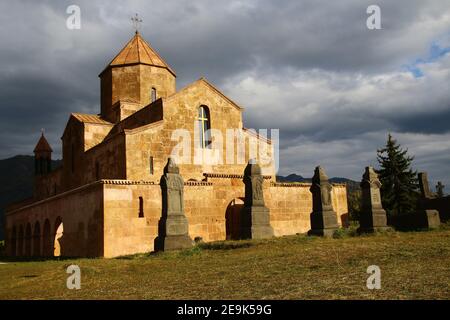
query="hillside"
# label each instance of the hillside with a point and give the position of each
(16, 181)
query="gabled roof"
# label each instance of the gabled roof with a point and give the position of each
(42, 145)
(137, 50)
(208, 84)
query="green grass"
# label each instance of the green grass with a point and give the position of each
(414, 265)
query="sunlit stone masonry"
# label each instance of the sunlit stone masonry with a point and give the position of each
(106, 199)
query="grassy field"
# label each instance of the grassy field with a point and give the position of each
(414, 265)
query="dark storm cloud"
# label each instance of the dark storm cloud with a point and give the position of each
(310, 68)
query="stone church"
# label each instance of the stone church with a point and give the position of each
(107, 198)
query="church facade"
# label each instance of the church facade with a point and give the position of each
(106, 198)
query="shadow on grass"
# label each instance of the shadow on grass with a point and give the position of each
(195, 250)
(226, 245)
(38, 259)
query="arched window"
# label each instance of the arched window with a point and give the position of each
(47, 240)
(204, 127)
(28, 240)
(37, 240)
(153, 95)
(58, 238)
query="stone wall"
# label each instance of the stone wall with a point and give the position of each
(290, 206)
(81, 213)
(205, 204)
(133, 83)
(117, 217)
(180, 113)
(127, 230)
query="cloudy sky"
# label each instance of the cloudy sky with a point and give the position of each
(311, 68)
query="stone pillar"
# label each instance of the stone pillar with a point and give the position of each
(255, 216)
(427, 218)
(373, 216)
(440, 189)
(323, 218)
(173, 226)
(424, 186)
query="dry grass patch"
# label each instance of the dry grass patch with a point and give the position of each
(414, 265)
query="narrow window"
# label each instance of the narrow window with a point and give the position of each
(153, 95)
(141, 207)
(151, 165)
(204, 126)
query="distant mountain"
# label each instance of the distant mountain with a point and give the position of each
(351, 185)
(292, 178)
(16, 181)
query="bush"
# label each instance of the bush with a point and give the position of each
(351, 231)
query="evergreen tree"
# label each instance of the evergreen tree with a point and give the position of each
(399, 181)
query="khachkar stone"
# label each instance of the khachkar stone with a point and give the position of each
(427, 218)
(373, 216)
(174, 226)
(424, 186)
(255, 215)
(323, 218)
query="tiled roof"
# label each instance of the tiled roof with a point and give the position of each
(137, 50)
(90, 118)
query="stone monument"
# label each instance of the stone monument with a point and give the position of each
(323, 218)
(173, 226)
(424, 186)
(255, 216)
(427, 218)
(373, 216)
(440, 189)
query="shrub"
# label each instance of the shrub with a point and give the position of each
(351, 231)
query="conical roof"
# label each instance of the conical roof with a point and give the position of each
(137, 50)
(42, 145)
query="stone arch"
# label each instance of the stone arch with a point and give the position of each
(58, 235)
(47, 239)
(20, 241)
(37, 239)
(28, 240)
(13, 243)
(233, 219)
